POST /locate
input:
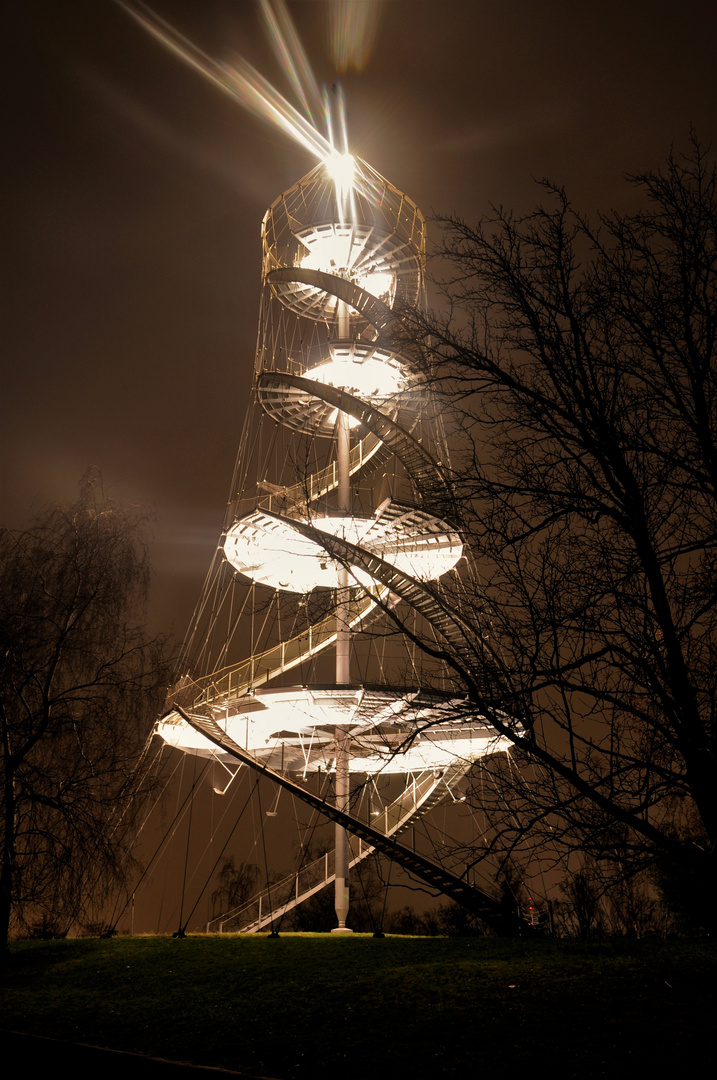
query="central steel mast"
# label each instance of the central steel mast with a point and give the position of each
(343, 653)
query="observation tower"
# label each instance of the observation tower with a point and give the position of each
(316, 650)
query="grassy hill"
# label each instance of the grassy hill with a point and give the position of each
(319, 1005)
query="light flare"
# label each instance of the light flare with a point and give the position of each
(240, 81)
(245, 85)
(340, 165)
(291, 55)
(353, 25)
(249, 88)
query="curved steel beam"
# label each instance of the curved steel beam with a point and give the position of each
(427, 475)
(373, 310)
(459, 634)
(481, 904)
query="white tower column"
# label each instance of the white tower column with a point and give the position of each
(343, 659)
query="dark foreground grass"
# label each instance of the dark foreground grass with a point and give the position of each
(321, 1005)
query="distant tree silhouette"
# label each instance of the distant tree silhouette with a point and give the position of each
(237, 884)
(80, 684)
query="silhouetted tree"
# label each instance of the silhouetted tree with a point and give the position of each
(635, 909)
(237, 884)
(578, 365)
(585, 916)
(409, 922)
(80, 684)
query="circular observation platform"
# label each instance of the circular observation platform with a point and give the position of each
(366, 371)
(272, 551)
(391, 731)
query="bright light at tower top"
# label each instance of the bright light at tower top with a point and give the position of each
(341, 168)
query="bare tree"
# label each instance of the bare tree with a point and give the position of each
(580, 363)
(80, 683)
(237, 884)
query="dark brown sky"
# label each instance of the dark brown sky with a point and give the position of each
(133, 194)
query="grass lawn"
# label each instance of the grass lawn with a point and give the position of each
(320, 1005)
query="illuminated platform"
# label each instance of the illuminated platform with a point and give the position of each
(270, 550)
(365, 371)
(390, 731)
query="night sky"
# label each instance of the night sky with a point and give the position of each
(134, 193)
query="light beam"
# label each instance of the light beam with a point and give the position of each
(290, 53)
(353, 27)
(238, 80)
